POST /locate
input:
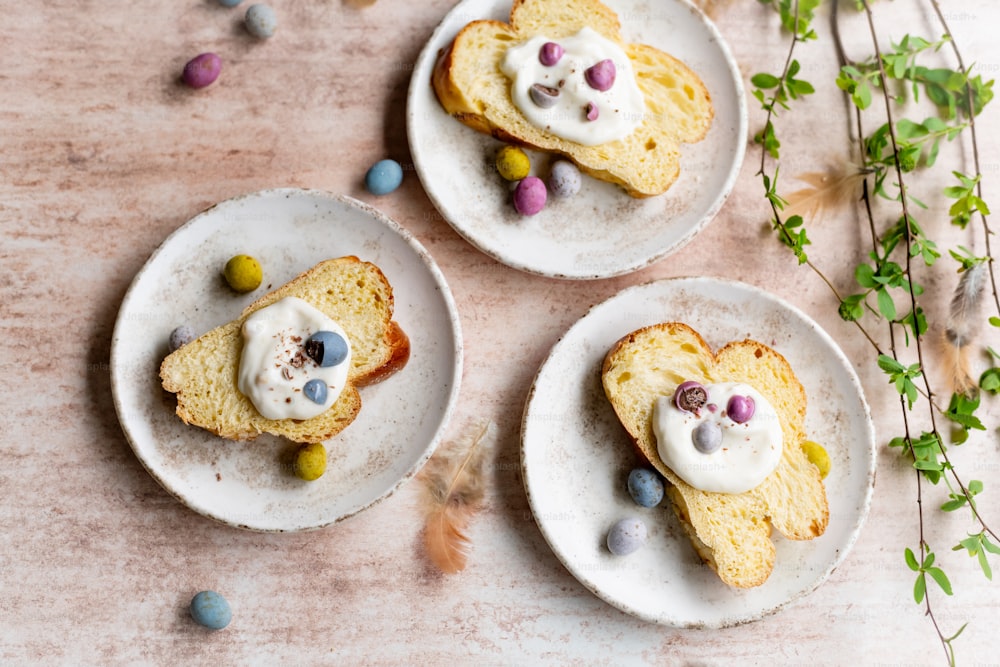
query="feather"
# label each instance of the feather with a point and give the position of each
(961, 329)
(828, 191)
(454, 487)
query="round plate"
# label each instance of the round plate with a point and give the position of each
(601, 231)
(250, 484)
(576, 456)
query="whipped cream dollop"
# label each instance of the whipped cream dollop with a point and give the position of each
(295, 360)
(580, 88)
(724, 438)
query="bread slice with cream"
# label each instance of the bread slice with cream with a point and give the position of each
(730, 531)
(471, 86)
(356, 294)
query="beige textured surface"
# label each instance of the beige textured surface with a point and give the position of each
(103, 154)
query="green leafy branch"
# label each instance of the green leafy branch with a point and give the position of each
(896, 148)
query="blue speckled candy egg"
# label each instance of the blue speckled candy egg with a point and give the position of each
(327, 348)
(229, 3)
(564, 179)
(384, 177)
(261, 21)
(626, 536)
(210, 609)
(645, 487)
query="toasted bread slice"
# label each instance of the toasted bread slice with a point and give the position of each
(731, 532)
(355, 294)
(471, 87)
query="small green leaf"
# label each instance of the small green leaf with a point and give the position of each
(764, 80)
(886, 306)
(938, 575)
(919, 588)
(864, 274)
(911, 560)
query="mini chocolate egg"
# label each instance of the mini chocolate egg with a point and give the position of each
(211, 610)
(384, 177)
(530, 195)
(627, 536)
(564, 179)
(645, 487)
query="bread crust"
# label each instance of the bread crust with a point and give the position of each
(730, 532)
(644, 164)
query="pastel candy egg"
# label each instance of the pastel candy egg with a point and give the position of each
(512, 163)
(310, 461)
(315, 391)
(626, 536)
(384, 177)
(326, 348)
(818, 457)
(564, 179)
(229, 3)
(530, 195)
(601, 76)
(202, 70)
(180, 336)
(707, 437)
(261, 21)
(550, 54)
(645, 487)
(211, 610)
(740, 408)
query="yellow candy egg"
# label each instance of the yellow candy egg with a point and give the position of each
(310, 461)
(817, 456)
(513, 163)
(243, 273)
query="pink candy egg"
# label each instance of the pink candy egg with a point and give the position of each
(530, 195)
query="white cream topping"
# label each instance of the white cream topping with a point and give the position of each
(274, 367)
(620, 109)
(749, 451)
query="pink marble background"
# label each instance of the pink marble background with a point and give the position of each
(103, 154)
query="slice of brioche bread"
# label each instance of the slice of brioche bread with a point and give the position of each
(471, 87)
(355, 294)
(731, 532)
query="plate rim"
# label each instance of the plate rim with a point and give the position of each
(724, 621)
(377, 217)
(420, 82)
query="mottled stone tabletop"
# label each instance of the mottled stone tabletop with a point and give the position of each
(103, 153)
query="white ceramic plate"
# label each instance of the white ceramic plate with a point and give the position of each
(576, 457)
(600, 232)
(250, 484)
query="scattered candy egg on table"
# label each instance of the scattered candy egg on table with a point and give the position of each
(626, 536)
(202, 70)
(817, 456)
(645, 487)
(530, 195)
(310, 461)
(384, 177)
(229, 3)
(261, 21)
(243, 273)
(512, 163)
(211, 610)
(180, 336)
(564, 179)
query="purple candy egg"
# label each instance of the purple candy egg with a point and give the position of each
(740, 409)
(530, 195)
(550, 54)
(202, 70)
(601, 76)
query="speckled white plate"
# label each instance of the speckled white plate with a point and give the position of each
(250, 484)
(600, 232)
(576, 457)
